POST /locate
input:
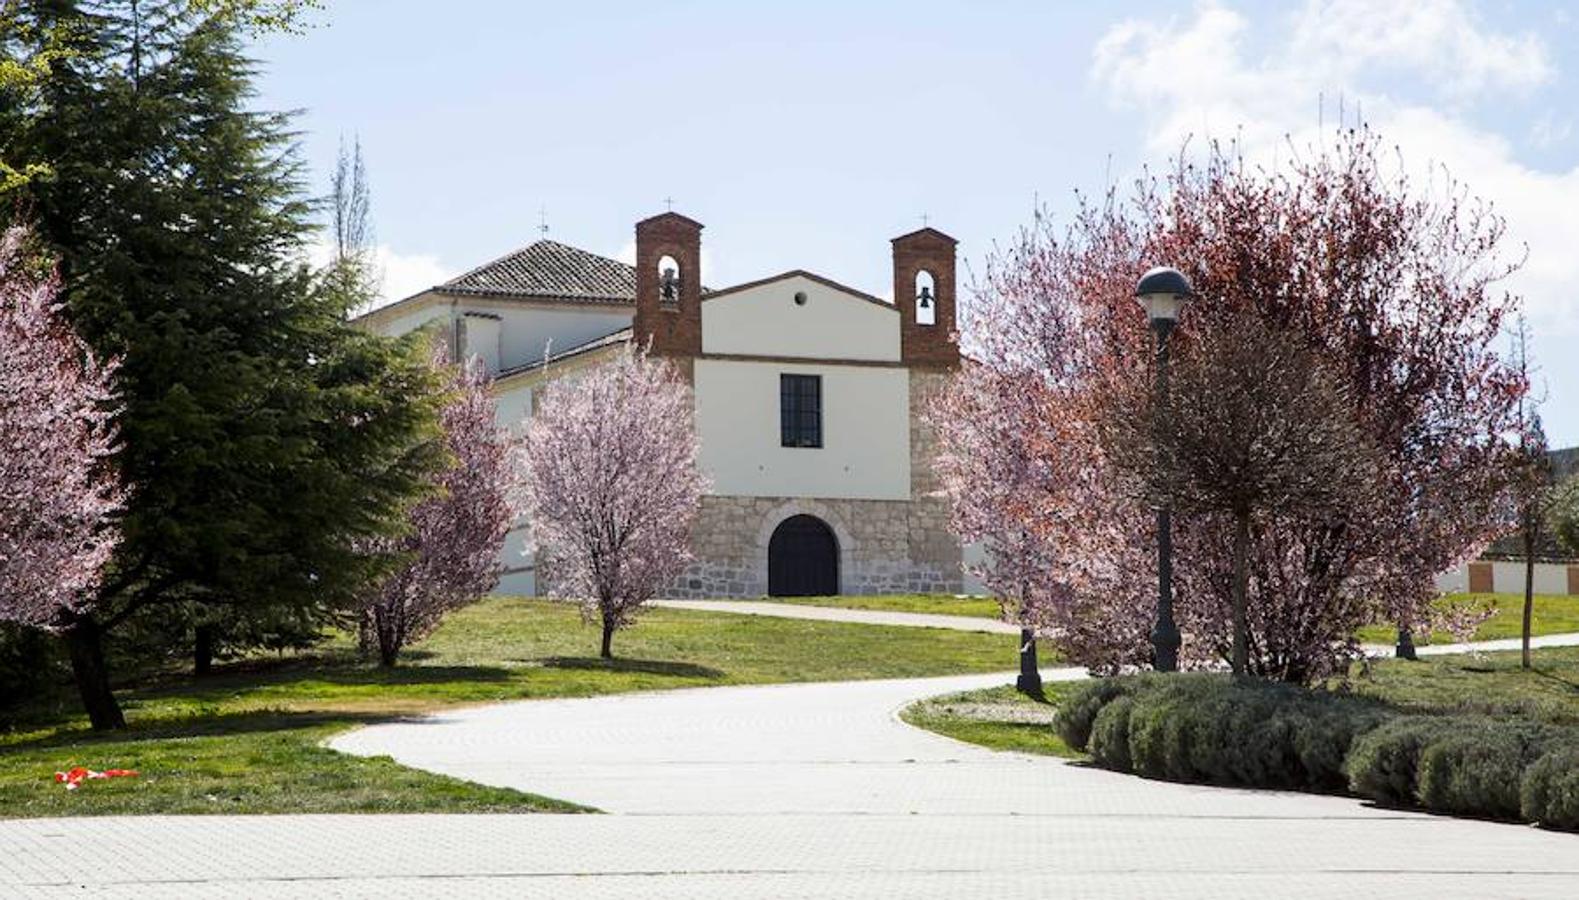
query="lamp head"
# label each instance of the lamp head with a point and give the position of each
(1163, 291)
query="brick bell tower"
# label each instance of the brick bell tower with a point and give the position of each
(669, 285)
(924, 293)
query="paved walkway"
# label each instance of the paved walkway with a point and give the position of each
(993, 626)
(790, 791)
(786, 791)
(840, 614)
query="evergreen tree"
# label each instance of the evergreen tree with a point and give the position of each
(264, 436)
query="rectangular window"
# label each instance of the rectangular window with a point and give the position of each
(800, 410)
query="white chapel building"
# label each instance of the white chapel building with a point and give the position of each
(808, 398)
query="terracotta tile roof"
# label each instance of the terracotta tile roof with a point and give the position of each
(551, 270)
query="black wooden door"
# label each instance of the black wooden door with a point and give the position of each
(803, 559)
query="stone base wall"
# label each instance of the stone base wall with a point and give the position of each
(885, 546)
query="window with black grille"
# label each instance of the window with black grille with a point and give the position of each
(800, 410)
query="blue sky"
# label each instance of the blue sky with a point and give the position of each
(805, 135)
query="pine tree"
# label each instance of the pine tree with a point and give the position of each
(264, 435)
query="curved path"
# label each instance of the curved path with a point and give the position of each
(786, 791)
(780, 610)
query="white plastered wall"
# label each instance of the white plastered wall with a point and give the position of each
(865, 429)
(831, 324)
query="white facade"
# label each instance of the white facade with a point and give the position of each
(799, 316)
(504, 334)
(1507, 577)
(863, 479)
(865, 453)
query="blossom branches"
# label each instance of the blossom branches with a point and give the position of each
(455, 538)
(59, 494)
(610, 486)
(1392, 290)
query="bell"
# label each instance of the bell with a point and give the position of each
(926, 298)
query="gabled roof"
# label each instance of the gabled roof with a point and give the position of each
(809, 276)
(550, 270)
(929, 233)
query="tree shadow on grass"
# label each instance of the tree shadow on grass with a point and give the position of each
(197, 725)
(642, 666)
(227, 685)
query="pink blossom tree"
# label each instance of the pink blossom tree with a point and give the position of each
(610, 486)
(452, 549)
(59, 492)
(1392, 286)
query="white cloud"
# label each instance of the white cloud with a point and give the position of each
(1197, 78)
(407, 274)
(400, 274)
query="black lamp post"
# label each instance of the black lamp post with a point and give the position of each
(1163, 292)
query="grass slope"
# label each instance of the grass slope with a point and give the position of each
(1551, 615)
(999, 718)
(248, 739)
(936, 604)
(1489, 684)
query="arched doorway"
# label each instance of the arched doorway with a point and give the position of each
(803, 559)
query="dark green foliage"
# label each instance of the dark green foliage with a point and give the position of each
(1476, 767)
(1109, 741)
(1086, 699)
(1219, 729)
(264, 436)
(1223, 730)
(1549, 792)
(1384, 764)
(30, 663)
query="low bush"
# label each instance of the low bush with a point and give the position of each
(1477, 768)
(1109, 741)
(1549, 792)
(1078, 712)
(1384, 764)
(1222, 730)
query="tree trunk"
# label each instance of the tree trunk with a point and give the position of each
(203, 650)
(1241, 590)
(389, 627)
(1030, 680)
(93, 677)
(1529, 595)
(1405, 648)
(608, 639)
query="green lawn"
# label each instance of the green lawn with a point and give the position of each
(1490, 684)
(939, 604)
(999, 718)
(1552, 615)
(248, 739)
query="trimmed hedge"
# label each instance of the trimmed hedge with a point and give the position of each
(1384, 764)
(1217, 729)
(1549, 793)
(1477, 770)
(1109, 743)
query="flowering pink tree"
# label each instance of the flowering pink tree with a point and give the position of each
(455, 538)
(59, 493)
(1393, 287)
(610, 486)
